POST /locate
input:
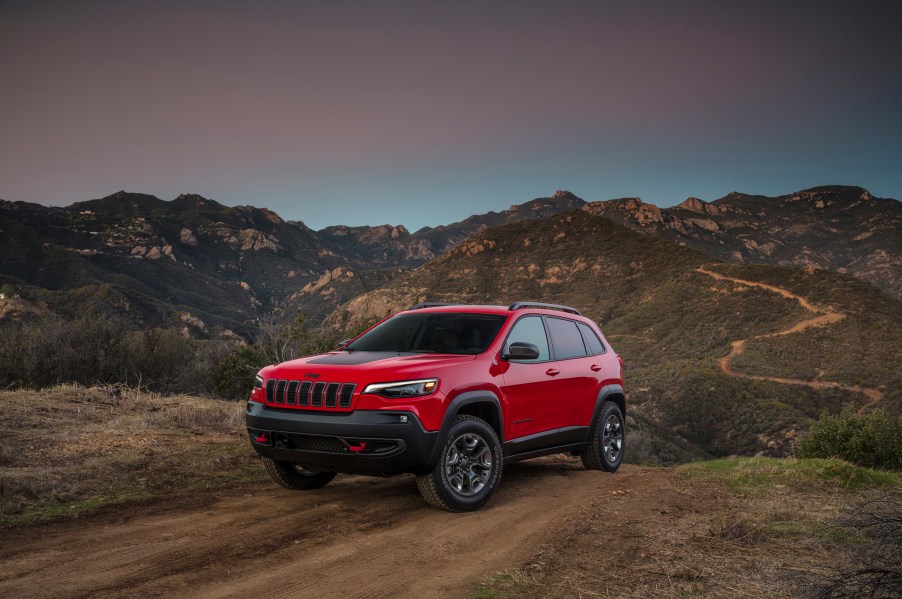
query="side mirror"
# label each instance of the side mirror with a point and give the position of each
(341, 344)
(521, 351)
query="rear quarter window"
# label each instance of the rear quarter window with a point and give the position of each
(593, 343)
(566, 339)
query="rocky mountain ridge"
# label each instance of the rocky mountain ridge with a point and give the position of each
(193, 259)
(840, 228)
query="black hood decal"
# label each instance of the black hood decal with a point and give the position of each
(354, 358)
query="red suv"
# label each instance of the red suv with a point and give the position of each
(449, 393)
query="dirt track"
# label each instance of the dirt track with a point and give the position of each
(358, 537)
(824, 316)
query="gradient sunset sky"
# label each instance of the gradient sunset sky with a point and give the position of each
(422, 113)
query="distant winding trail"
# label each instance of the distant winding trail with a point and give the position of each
(822, 317)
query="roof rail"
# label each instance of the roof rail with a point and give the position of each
(520, 305)
(430, 305)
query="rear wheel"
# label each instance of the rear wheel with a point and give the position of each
(606, 444)
(469, 469)
(297, 477)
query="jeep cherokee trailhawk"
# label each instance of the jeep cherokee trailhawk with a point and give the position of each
(449, 393)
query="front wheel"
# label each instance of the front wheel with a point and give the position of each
(606, 443)
(297, 477)
(469, 469)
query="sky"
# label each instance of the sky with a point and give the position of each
(424, 112)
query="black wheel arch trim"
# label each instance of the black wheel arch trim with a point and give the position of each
(465, 399)
(603, 394)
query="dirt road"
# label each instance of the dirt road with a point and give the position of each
(358, 537)
(822, 317)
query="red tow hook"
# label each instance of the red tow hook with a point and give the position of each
(357, 448)
(262, 438)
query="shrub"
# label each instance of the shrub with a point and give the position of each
(94, 349)
(233, 377)
(872, 439)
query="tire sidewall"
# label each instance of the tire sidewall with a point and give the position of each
(444, 488)
(610, 408)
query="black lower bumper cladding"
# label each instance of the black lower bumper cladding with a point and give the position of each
(360, 442)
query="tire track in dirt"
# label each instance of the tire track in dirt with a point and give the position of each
(358, 537)
(823, 317)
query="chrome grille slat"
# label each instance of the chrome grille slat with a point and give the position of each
(332, 394)
(317, 399)
(304, 393)
(270, 390)
(291, 395)
(347, 392)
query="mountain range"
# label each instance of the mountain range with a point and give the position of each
(739, 320)
(192, 262)
(214, 270)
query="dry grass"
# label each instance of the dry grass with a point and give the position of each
(69, 449)
(747, 528)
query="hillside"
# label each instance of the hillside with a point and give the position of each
(839, 228)
(217, 268)
(673, 323)
(215, 271)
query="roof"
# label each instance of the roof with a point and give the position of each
(493, 309)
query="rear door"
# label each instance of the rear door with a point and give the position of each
(576, 390)
(530, 386)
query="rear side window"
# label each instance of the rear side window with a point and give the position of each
(529, 329)
(565, 337)
(593, 343)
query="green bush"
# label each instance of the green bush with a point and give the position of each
(872, 439)
(233, 377)
(96, 349)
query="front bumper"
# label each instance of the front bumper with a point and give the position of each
(359, 442)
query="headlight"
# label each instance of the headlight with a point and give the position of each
(258, 382)
(403, 388)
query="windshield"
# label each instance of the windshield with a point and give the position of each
(442, 333)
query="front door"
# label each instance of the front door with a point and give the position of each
(529, 385)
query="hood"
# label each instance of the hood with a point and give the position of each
(363, 367)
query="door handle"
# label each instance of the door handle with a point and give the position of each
(552, 372)
(594, 367)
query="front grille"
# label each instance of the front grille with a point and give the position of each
(307, 394)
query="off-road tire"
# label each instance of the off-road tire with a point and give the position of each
(287, 475)
(595, 457)
(435, 486)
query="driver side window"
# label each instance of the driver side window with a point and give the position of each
(529, 329)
